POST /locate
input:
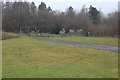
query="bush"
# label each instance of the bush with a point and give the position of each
(103, 31)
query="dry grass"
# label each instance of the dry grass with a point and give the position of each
(6, 35)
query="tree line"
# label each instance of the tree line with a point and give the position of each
(17, 14)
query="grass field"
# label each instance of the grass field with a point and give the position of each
(26, 57)
(42, 35)
(98, 40)
(80, 38)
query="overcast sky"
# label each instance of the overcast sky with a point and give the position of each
(106, 6)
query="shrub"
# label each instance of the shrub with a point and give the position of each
(103, 31)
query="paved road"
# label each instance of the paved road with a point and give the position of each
(91, 45)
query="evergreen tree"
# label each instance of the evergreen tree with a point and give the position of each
(70, 12)
(49, 8)
(42, 6)
(33, 7)
(94, 15)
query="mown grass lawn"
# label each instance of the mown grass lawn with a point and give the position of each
(79, 38)
(98, 40)
(26, 57)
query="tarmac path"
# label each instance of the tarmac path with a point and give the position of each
(83, 44)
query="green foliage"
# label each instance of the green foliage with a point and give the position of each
(49, 8)
(70, 12)
(42, 6)
(94, 15)
(33, 7)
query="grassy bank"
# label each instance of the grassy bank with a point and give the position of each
(26, 57)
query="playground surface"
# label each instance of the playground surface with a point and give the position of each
(83, 44)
